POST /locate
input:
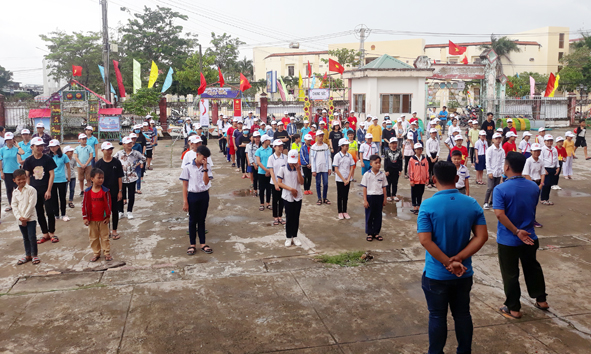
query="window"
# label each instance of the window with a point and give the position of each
(395, 103)
(560, 55)
(359, 103)
(290, 70)
(452, 60)
(561, 40)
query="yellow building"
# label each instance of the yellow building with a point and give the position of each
(405, 50)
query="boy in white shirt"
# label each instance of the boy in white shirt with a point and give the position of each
(374, 183)
(462, 184)
(290, 179)
(321, 162)
(366, 150)
(534, 169)
(432, 149)
(343, 168)
(495, 160)
(24, 199)
(549, 157)
(525, 145)
(480, 147)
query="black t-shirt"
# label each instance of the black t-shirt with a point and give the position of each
(489, 128)
(387, 134)
(335, 136)
(39, 170)
(243, 139)
(281, 135)
(141, 139)
(113, 171)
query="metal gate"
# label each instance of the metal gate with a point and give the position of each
(542, 111)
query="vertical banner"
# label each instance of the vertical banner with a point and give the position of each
(137, 80)
(237, 108)
(55, 129)
(92, 111)
(204, 112)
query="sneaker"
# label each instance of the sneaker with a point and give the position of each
(396, 199)
(346, 216)
(537, 224)
(82, 194)
(121, 215)
(129, 215)
(65, 218)
(288, 242)
(341, 217)
(389, 199)
(557, 187)
(297, 242)
(485, 206)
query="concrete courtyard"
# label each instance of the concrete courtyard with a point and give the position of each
(253, 295)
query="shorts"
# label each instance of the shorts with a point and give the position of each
(84, 173)
(249, 169)
(580, 142)
(148, 153)
(481, 164)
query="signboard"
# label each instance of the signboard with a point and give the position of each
(56, 118)
(109, 123)
(204, 111)
(220, 92)
(271, 81)
(319, 94)
(93, 108)
(237, 107)
(73, 96)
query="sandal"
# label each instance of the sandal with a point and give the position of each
(282, 221)
(191, 250)
(505, 312)
(261, 208)
(43, 240)
(537, 305)
(8, 209)
(54, 239)
(275, 222)
(269, 207)
(139, 192)
(95, 258)
(379, 238)
(71, 205)
(22, 261)
(319, 202)
(369, 238)
(326, 201)
(36, 260)
(108, 258)
(115, 236)
(207, 249)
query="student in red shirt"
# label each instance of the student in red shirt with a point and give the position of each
(96, 212)
(230, 137)
(352, 121)
(509, 145)
(562, 154)
(459, 140)
(285, 119)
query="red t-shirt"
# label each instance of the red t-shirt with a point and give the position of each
(464, 152)
(352, 123)
(285, 121)
(413, 119)
(97, 201)
(508, 147)
(561, 153)
(313, 135)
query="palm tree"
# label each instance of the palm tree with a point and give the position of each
(503, 46)
(245, 67)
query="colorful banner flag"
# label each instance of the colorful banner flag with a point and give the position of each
(550, 85)
(309, 69)
(94, 93)
(313, 81)
(301, 94)
(137, 76)
(237, 107)
(283, 85)
(119, 78)
(153, 75)
(76, 70)
(532, 87)
(168, 80)
(465, 60)
(221, 80)
(202, 85)
(281, 90)
(555, 85)
(456, 49)
(102, 70)
(334, 65)
(244, 84)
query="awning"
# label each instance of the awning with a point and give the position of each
(40, 113)
(110, 111)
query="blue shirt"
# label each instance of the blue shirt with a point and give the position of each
(60, 171)
(262, 132)
(92, 141)
(26, 148)
(519, 198)
(449, 216)
(264, 155)
(138, 147)
(84, 153)
(304, 132)
(444, 114)
(8, 158)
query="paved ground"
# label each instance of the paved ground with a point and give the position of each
(253, 295)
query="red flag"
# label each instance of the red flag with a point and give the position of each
(222, 82)
(76, 70)
(202, 86)
(334, 65)
(325, 76)
(550, 85)
(465, 60)
(119, 78)
(309, 69)
(455, 49)
(244, 84)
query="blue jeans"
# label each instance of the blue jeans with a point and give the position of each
(324, 177)
(366, 167)
(72, 186)
(30, 238)
(138, 170)
(456, 294)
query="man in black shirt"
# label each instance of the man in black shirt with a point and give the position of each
(335, 135)
(387, 134)
(113, 171)
(283, 136)
(489, 127)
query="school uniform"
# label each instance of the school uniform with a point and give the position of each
(264, 180)
(463, 175)
(392, 165)
(305, 161)
(450, 142)
(495, 160)
(251, 149)
(293, 205)
(343, 162)
(525, 148)
(480, 149)
(432, 148)
(275, 163)
(534, 169)
(580, 140)
(198, 199)
(374, 184)
(366, 150)
(549, 157)
(320, 161)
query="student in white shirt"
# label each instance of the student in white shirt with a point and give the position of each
(365, 151)
(374, 184)
(343, 168)
(495, 160)
(525, 145)
(223, 126)
(462, 184)
(251, 149)
(290, 180)
(321, 162)
(550, 159)
(432, 149)
(480, 147)
(24, 199)
(274, 164)
(534, 169)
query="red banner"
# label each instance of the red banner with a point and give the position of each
(237, 107)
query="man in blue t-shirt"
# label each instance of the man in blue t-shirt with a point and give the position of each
(443, 116)
(444, 225)
(515, 203)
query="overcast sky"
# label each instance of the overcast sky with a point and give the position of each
(277, 23)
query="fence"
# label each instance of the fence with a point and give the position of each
(541, 111)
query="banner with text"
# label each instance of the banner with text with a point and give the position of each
(237, 107)
(109, 123)
(204, 112)
(319, 94)
(220, 92)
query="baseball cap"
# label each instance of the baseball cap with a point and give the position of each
(509, 120)
(510, 134)
(496, 135)
(313, 125)
(189, 118)
(374, 118)
(458, 137)
(286, 113)
(413, 123)
(40, 125)
(418, 146)
(107, 145)
(256, 134)
(148, 116)
(235, 119)
(306, 121)
(54, 142)
(559, 138)
(536, 146)
(8, 136)
(548, 137)
(25, 131)
(263, 123)
(273, 122)
(482, 132)
(393, 140)
(37, 141)
(569, 133)
(195, 139)
(500, 130)
(320, 132)
(343, 141)
(541, 129)
(414, 112)
(475, 121)
(336, 122)
(280, 123)
(68, 149)
(526, 133)
(410, 136)
(352, 112)
(307, 137)
(82, 136)
(126, 140)
(137, 126)
(277, 142)
(402, 116)
(88, 127)
(336, 114)
(291, 118)
(145, 124)
(321, 122)
(292, 156)
(433, 130)
(324, 111)
(265, 138)
(132, 135)
(368, 136)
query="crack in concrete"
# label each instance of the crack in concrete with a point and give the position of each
(125, 321)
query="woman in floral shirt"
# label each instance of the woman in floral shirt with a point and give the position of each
(130, 159)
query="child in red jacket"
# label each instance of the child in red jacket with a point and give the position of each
(96, 212)
(418, 174)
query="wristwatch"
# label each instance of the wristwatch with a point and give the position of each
(205, 170)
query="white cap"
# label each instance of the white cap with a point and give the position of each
(398, 120)
(148, 116)
(37, 141)
(475, 121)
(509, 120)
(559, 138)
(286, 113)
(410, 136)
(10, 136)
(402, 116)
(25, 131)
(263, 123)
(336, 114)
(374, 118)
(500, 130)
(235, 119)
(273, 122)
(196, 126)
(54, 142)
(458, 137)
(67, 149)
(322, 122)
(541, 129)
(414, 122)
(320, 132)
(414, 112)
(548, 137)
(256, 134)
(569, 133)
(496, 135)
(393, 140)
(292, 156)
(536, 147)
(336, 122)
(277, 142)
(88, 127)
(368, 136)
(324, 111)
(126, 140)
(510, 134)
(313, 125)
(265, 138)
(107, 145)
(352, 112)
(255, 119)
(457, 130)
(526, 133)
(137, 126)
(343, 141)
(195, 139)
(307, 137)
(189, 118)
(482, 132)
(280, 123)
(291, 118)
(418, 146)
(433, 130)
(306, 121)
(82, 136)
(132, 135)
(249, 112)
(40, 125)
(145, 124)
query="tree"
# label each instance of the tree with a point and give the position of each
(189, 77)
(5, 77)
(225, 51)
(142, 102)
(577, 66)
(345, 57)
(521, 84)
(503, 46)
(78, 48)
(245, 67)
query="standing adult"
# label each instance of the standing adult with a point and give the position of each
(444, 225)
(8, 164)
(187, 127)
(323, 118)
(46, 138)
(113, 170)
(60, 180)
(489, 127)
(249, 121)
(442, 115)
(93, 143)
(223, 126)
(285, 119)
(25, 145)
(130, 159)
(515, 203)
(282, 135)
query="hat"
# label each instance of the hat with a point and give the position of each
(255, 119)
(526, 134)
(307, 137)
(548, 137)
(346, 122)
(265, 138)
(374, 118)
(320, 132)
(313, 125)
(148, 116)
(235, 119)
(324, 111)
(8, 136)
(126, 140)
(145, 124)
(336, 122)
(54, 142)
(256, 134)
(25, 131)
(458, 137)
(569, 133)
(482, 132)
(291, 118)
(433, 130)
(286, 112)
(393, 140)
(352, 112)
(475, 121)
(402, 116)
(306, 121)
(189, 118)
(410, 136)
(137, 126)
(292, 156)
(496, 135)
(195, 139)
(368, 136)
(263, 123)
(67, 149)
(418, 146)
(336, 114)
(414, 112)
(239, 121)
(277, 142)
(500, 129)
(415, 123)
(223, 116)
(88, 127)
(273, 122)
(280, 123)
(82, 136)
(152, 121)
(40, 125)
(541, 129)
(321, 122)
(510, 134)
(536, 147)
(107, 145)
(456, 130)
(509, 120)
(37, 141)
(398, 120)
(559, 138)
(343, 141)
(132, 135)
(249, 112)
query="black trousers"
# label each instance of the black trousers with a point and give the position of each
(416, 194)
(406, 159)
(472, 158)
(241, 159)
(114, 206)
(264, 187)
(373, 214)
(292, 218)
(342, 196)
(10, 186)
(509, 257)
(128, 193)
(392, 188)
(198, 205)
(277, 202)
(222, 143)
(549, 181)
(44, 207)
(307, 178)
(255, 179)
(58, 198)
(431, 164)
(557, 178)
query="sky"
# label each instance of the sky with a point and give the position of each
(314, 24)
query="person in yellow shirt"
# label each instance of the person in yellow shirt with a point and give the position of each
(297, 142)
(353, 149)
(322, 126)
(569, 145)
(376, 131)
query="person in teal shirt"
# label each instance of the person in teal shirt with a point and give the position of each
(262, 156)
(60, 180)
(306, 128)
(93, 143)
(8, 164)
(263, 129)
(25, 145)
(346, 128)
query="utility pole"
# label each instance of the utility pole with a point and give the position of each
(363, 32)
(106, 49)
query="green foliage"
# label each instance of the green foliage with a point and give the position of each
(577, 66)
(503, 46)
(225, 51)
(521, 84)
(78, 49)
(5, 77)
(189, 77)
(347, 259)
(142, 102)
(346, 57)
(21, 97)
